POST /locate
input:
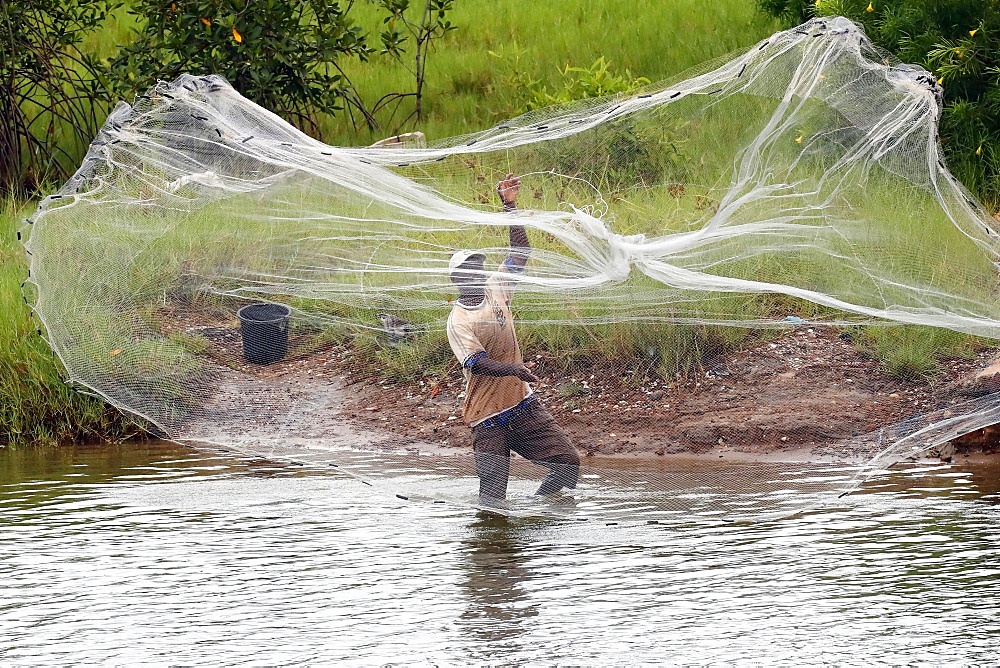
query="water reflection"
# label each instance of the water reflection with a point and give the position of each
(497, 570)
(36, 477)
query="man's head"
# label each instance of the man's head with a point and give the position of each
(466, 267)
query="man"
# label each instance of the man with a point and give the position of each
(500, 407)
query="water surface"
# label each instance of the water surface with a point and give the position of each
(157, 553)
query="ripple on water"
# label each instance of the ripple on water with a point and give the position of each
(160, 554)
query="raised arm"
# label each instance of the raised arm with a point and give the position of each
(520, 249)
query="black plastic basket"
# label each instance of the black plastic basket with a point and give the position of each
(264, 329)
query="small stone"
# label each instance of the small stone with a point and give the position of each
(946, 452)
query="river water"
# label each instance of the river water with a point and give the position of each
(154, 553)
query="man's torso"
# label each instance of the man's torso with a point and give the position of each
(489, 326)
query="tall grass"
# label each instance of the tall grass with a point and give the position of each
(36, 404)
(468, 89)
(211, 261)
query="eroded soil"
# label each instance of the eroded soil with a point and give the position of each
(808, 393)
(808, 390)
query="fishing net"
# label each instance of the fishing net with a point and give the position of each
(708, 257)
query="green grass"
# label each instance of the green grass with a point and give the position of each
(36, 404)
(913, 352)
(467, 89)
(161, 262)
(165, 262)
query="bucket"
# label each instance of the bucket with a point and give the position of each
(264, 329)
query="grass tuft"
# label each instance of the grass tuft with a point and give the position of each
(36, 404)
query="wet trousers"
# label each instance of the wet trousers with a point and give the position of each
(533, 435)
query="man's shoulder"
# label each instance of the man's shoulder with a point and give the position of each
(458, 315)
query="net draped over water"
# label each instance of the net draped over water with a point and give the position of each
(798, 184)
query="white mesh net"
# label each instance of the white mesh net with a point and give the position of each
(679, 234)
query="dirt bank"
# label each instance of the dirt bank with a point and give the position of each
(807, 394)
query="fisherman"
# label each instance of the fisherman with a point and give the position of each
(500, 406)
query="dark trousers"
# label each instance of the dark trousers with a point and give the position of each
(533, 435)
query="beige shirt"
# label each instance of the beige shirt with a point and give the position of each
(489, 328)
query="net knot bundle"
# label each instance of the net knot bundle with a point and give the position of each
(803, 176)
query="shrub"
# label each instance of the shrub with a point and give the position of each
(957, 40)
(578, 83)
(428, 25)
(51, 97)
(282, 54)
(792, 12)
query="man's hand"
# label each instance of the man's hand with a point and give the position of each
(524, 373)
(508, 189)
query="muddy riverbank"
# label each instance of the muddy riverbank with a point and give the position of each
(806, 395)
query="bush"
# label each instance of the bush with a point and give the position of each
(578, 83)
(957, 40)
(792, 12)
(282, 54)
(613, 157)
(51, 96)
